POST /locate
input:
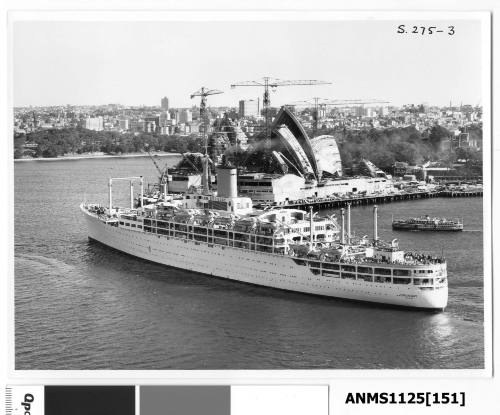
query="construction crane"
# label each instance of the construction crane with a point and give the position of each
(323, 102)
(190, 162)
(203, 93)
(163, 178)
(273, 83)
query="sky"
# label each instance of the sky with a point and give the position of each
(137, 63)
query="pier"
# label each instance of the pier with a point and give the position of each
(339, 202)
(462, 193)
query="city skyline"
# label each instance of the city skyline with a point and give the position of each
(195, 106)
(137, 63)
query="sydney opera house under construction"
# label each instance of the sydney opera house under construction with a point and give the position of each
(308, 158)
(287, 165)
(309, 167)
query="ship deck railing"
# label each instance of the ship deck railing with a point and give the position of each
(376, 261)
(261, 228)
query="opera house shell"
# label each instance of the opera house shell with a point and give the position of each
(315, 158)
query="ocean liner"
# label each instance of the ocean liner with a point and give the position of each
(222, 235)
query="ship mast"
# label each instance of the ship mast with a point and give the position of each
(342, 228)
(203, 93)
(348, 223)
(311, 229)
(375, 224)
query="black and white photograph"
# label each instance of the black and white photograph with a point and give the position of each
(251, 192)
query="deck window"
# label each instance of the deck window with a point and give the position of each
(383, 271)
(401, 280)
(402, 272)
(366, 270)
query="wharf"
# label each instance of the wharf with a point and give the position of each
(462, 193)
(338, 202)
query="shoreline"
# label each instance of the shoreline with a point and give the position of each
(97, 156)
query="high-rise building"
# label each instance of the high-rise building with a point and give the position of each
(138, 125)
(124, 124)
(249, 108)
(369, 112)
(165, 119)
(358, 111)
(152, 123)
(185, 116)
(164, 103)
(149, 126)
(94, 123)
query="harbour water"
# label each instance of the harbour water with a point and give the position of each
(80, 305)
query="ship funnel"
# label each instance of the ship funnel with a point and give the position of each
(227, 183)
(375, 223)
(348, 223)
(342, 231)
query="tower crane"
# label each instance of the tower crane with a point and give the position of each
(273, 83)
(203, 93)
(323, 102)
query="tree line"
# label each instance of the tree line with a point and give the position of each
(385, 147)
(58, 142)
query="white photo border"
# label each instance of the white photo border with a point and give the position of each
(235, 377)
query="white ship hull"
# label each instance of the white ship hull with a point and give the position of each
(260, 268)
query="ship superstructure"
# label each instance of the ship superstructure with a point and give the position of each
(222, 235)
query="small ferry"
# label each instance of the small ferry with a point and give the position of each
(426, 223)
